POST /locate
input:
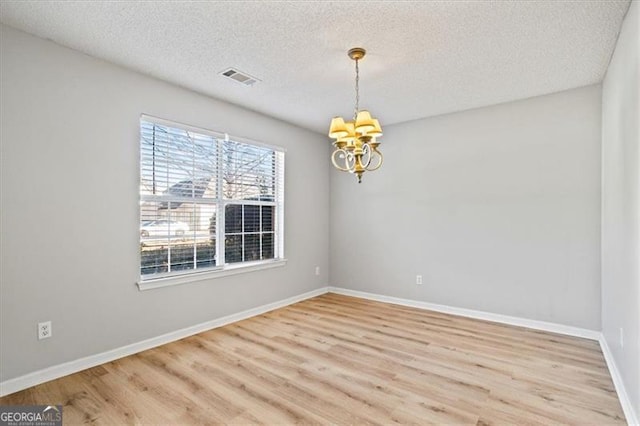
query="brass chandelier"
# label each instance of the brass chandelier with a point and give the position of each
(356, 141)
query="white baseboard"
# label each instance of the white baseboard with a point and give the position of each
(61, 370)
(488, 316)
(623, 396)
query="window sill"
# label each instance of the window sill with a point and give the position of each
(217, 273)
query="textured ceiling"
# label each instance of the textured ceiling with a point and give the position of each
(424, 58)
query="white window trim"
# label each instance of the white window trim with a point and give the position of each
(227, 270)
(184, 277)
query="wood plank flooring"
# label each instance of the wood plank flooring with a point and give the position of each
(341, 360)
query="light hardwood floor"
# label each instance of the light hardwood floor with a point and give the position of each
(343, 360)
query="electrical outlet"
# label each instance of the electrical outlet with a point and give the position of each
(317, 270)
(44, 330)
(621, 337)
(419, 279)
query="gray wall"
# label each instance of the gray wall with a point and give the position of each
(498, 208)
(620, 205)
(69, 132)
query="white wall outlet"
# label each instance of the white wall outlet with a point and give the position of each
(419, 279)
(621, 337)
(44, 330)
(317, 270)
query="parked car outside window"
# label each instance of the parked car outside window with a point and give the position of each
(163, 228)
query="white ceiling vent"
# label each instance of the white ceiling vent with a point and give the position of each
(239, 76)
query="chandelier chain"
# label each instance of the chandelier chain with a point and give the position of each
(357, 107)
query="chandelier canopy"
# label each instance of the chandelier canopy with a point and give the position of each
(356, 141)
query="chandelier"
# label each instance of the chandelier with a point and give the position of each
(356, 141)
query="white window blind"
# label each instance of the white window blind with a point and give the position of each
(206, 200)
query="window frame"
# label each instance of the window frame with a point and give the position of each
(221, 268)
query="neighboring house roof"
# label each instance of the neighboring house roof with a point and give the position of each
(195, 188)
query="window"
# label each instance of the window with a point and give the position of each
(207, 201)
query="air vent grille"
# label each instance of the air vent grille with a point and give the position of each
(239, 76)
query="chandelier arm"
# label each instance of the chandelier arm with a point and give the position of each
(356, 159)
(380, 160)
(366, 149)
(350, 161)
(346, 161)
